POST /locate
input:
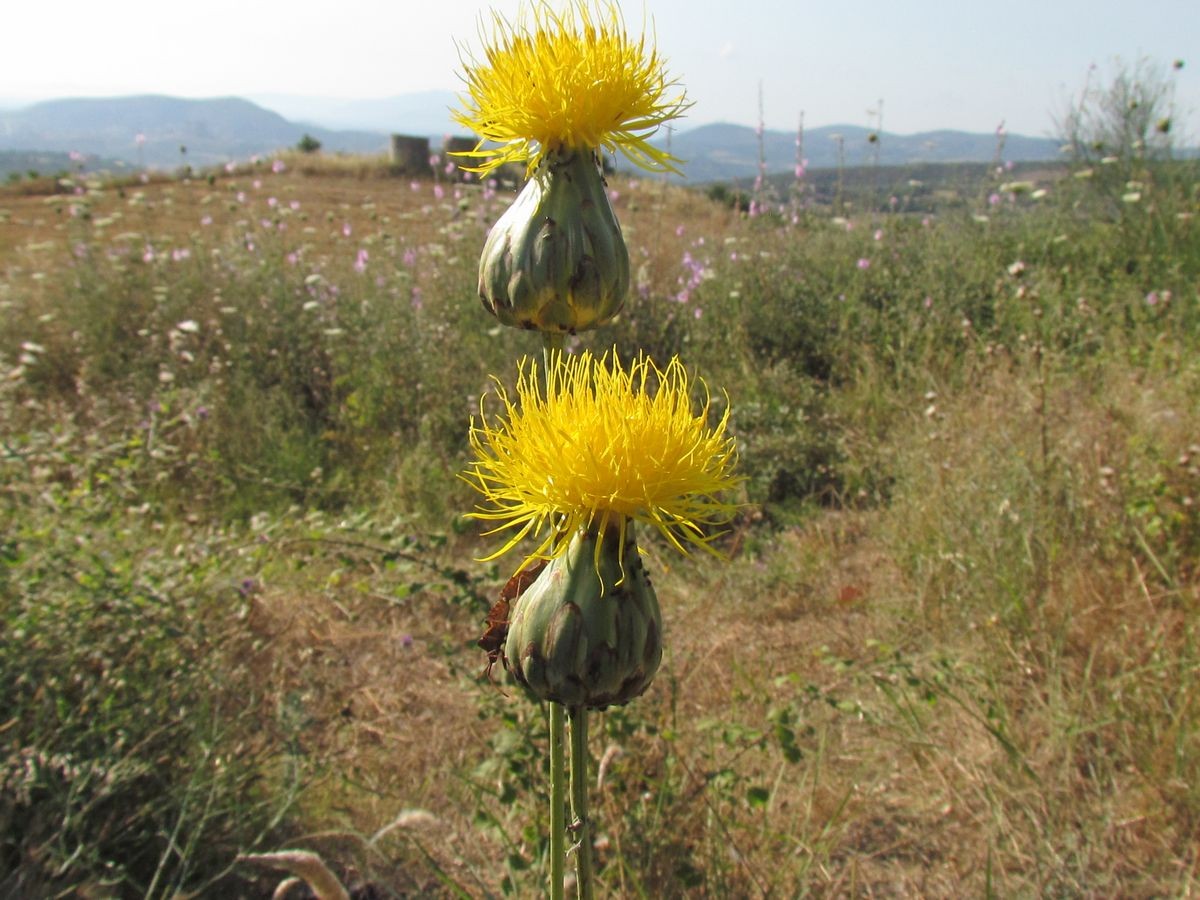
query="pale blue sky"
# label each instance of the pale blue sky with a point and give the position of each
(934, 63)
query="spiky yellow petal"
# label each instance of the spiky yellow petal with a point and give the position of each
(571, 80)
(602, 445)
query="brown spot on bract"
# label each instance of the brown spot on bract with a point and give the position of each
(496, 631)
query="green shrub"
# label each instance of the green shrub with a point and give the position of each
(137, 743)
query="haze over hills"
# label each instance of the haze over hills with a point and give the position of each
(420, 113)
(724, 152)
(175, 131)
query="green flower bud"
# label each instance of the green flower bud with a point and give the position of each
(588, 631)
(556, 260)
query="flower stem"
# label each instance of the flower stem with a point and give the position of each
(580, 826)
(552, 343)
(558, 842)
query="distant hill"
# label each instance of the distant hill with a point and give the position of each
(419, 113)
(724, 152)
(230, 128)
(210, 131)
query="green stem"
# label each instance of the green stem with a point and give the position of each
(558, 824)
(580, 826)
(552, 343)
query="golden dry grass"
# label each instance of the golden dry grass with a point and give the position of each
(989, 679)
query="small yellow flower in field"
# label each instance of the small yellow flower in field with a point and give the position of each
(603, 447)
(573, 80)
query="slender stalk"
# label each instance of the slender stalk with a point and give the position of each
(581, 828)
(552, 345)
(558, 806)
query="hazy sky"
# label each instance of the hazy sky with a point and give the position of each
(934, 63)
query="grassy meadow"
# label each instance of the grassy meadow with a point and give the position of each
(954, 651)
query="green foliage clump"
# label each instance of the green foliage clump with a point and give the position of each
(134, 749)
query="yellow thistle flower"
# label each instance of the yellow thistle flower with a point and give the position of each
(574, 81)
(602, 446)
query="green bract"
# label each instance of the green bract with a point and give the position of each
(556, 260)
(586, 633)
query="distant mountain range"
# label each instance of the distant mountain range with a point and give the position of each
(727, 152)
(420, 113)
(167, 132)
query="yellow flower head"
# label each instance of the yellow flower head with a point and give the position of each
(602, 446)
(574, 80)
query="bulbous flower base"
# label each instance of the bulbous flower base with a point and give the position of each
(556, 260)
(588, 631)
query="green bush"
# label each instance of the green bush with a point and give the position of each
(137, 742)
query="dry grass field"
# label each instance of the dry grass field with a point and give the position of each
(953, 651)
